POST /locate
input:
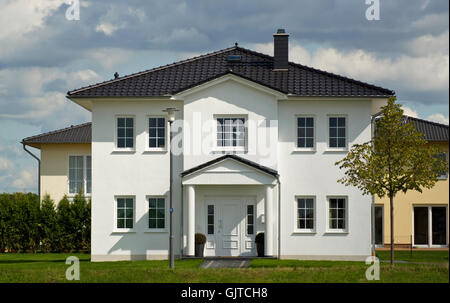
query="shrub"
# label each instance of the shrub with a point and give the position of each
(48, 227)
(200, 239)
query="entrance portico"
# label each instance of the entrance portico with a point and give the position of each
(230, 200)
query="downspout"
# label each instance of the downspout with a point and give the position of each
(182, 220)
(279, 217)
(372, 226)
(39, 171)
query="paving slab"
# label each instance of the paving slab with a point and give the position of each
(224, 263)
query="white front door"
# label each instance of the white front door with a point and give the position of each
(230, 227)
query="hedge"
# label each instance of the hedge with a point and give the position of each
(24, 227)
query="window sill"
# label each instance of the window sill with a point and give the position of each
(124, 231)
(307, 231)
(155, 231)
(154, 150)
(304, 150)
(338, 232)
(229, 151)
(123, 151)
(336, 150)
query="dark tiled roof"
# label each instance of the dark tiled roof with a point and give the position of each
(74, 134)
(231, 156)
(433, 131)
(173, 78)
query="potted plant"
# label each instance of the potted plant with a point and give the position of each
(259, 240)
(200, 240)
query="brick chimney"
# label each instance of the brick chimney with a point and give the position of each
(280, 50)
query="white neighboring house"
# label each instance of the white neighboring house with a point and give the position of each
(273, 131)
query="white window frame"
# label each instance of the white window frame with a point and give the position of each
(124, 230)
(382, 225)
(147, 216)
(231, 148)
(124, 149)
(430, 226)
(305, 230)
(330, 230)
(254, 219)
(338, 149)
(85, 193)
(306, 149)
(166, 139)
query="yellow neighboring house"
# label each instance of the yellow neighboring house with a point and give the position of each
(420, 219)
(65, 166)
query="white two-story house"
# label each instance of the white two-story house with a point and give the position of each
(254, 145)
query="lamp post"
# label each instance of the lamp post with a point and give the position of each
(171, 117)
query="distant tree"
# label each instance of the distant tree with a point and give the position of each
(397, 159)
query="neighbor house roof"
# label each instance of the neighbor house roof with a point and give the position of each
(74, 134)
(433, 131)
(173, 78)
(234, 157)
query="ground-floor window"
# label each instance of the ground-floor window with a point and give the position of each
(430, 225)
(156, 213)
(379, 225)
(337, 213)
(125, 213)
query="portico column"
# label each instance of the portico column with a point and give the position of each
(191, 221)
(268, 214)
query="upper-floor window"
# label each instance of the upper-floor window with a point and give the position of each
(337, 132)
(305, 132)
(231, 132)
(125, 132)
(157, 132)
(443, 156)
(79, 174)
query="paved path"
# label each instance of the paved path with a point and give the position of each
(220, 263)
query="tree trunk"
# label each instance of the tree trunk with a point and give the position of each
(391, 200)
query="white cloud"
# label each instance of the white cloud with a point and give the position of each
(429, 72)
(429, 44)
(26, 179)
(110, 57)
(107, 28)
(439, 118)
(431, 21)
(410, 112)
(5, 164)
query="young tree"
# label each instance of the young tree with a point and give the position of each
(398, 158)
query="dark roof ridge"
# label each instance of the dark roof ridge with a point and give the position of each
(322, 72)
(151, 70)
(56, 131)
(426, 121)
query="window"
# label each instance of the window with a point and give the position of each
(88, 174)
(305, 132)
(156, 213)
(337, 132)
(250, 219)
(430, 225)
(157, 132)
(305, 213)
(230, 132)
(79, 174)
(210, 220)
(125, 213)
(443, 156)
(125, 132)
(379, 225)
(337, 214)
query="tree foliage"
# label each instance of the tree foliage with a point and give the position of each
(398, 158)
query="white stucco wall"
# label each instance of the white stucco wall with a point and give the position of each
(313, 173)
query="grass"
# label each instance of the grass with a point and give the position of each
(429, 256)
(52, 267)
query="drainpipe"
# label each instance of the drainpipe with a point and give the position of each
(39, 171)
(373, 196)
(182, 221)
(279, 217)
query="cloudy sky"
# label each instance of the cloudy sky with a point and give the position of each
(43, 55)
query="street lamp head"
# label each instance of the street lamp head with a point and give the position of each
(170, 113)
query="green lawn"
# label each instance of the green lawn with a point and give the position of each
(52, 267)
(431, 256)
